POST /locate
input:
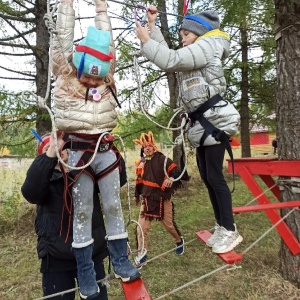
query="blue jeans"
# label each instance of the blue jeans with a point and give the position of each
(56, 282)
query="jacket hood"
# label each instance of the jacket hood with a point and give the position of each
(222, 37)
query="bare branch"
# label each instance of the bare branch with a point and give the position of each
(24, 39)
(16, 54)
(32, 30)
(14, 71)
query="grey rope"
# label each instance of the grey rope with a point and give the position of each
(104, 281)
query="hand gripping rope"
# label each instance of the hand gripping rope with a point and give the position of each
(42, 101)
(140, 14)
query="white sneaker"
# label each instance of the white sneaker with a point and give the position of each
(213, 238)
(226, 241)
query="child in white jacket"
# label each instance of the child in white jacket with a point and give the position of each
(85, 102)
(202, 86)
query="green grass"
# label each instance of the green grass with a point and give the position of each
(256, 278)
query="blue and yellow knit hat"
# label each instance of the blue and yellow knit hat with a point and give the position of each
(92, 56)
(201, 23)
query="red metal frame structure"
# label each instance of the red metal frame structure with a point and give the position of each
(266, 168)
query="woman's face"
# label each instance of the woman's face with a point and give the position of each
(149, 150)
(187, 37)
(90, 81)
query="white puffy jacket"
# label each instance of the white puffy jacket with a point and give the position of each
(201, 76)
(72, 113)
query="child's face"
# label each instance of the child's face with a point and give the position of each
(188, 37)
(90, 81)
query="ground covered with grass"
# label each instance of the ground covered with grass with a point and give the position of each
(255, 278)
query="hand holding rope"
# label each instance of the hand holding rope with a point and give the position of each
(144, 9)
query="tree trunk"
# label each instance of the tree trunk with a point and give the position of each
(287, 37)
(245, 136)
(43, 122)
(172, 80)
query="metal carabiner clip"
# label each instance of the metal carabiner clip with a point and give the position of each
(142, 20)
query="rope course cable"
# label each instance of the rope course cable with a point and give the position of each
(179, 139)
(226, 265)
(196, 280)
(243, 253)
(104, 281)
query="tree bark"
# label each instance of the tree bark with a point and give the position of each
(287, 28)
(245, 136)
(172, 80)
(43, 121)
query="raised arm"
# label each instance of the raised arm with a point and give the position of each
(102, 21)
(63, 41)
(150, 31)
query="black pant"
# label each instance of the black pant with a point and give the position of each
(56, 282)
(210, 164)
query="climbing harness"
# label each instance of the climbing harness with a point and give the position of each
(210, 129)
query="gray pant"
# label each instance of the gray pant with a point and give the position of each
(82, 193)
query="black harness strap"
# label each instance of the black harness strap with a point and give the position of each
(114, 95)
(86, 146)
(210, 129)
(88, 149)
(110, 168)
(74, 174)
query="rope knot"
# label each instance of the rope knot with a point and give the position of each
(50, 23)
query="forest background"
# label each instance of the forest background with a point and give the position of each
(262, 74)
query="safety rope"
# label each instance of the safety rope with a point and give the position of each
(228, 265)
(104, 281)
(142, 251)
(179, 139)
(48, 18)
(261, 194)
(111, 276)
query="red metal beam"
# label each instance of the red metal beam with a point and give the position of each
(267, 166)
(244, 209)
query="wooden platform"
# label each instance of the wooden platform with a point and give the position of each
(229, 257)
(135, 290)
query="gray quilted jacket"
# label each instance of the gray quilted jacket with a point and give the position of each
(72, 113)
(201, 76)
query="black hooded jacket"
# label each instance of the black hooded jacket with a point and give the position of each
(44, 186)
